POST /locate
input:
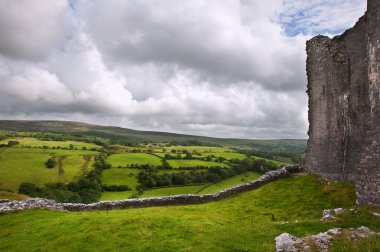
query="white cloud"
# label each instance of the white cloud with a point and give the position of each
(225, 69)
(30, 29)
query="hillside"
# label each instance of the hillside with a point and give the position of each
(247, 222)
(130, 136)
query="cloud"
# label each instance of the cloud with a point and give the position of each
(224, 43)
(31, 28)
(226, 69)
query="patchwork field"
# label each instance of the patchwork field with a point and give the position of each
(230, 182)
(33, 142)
(18, 165)
(127, 159)
(193, 163)
(121, 176)
(226, 155)
(246, 222)
(200, 149)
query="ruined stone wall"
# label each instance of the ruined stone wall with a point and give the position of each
(344, 110)
(7, 205)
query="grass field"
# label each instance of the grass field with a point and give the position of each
(121, 176)
(18, 165)
(174, 190)
(230, 182)
(33, 142)
(12, 196)
(200, 149)
(240, 223)
(193, 163)
(277, 163)
(226, 155)
(203, 189)
(125, 159)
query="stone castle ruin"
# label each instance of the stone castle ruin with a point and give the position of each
(344, 106)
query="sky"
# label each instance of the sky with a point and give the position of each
(221, 68)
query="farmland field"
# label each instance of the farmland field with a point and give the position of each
(120, 176)
(200, 149)
(106, 196)
(226, 155)
(193, 163)
(12, 196)
(18, 165)
(230, 182)
(33, 142)
(127, 159)
(174, 190)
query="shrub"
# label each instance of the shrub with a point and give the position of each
(116, 188)
(12, 143)
(29, 189)
(51, 162)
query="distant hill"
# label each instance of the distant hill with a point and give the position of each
(136, 136)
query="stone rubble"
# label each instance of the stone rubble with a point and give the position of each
(376, 214)
(6, 205)
(322, 241)
(329, 215)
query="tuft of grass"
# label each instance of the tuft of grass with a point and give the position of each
(344, 243)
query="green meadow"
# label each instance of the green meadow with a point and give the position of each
(230, 182)
(18, 165)
(173, 190)
(34, 142)
(226, 155)
(193, 163)
(127, 159)
(246, 222)
(200, 149)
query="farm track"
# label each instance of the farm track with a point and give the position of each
(84, 168)
(61, 171)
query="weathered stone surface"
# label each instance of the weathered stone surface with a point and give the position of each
(322, 241)
(287, 242)
(344, 106)
(376, 214)
(148, 202)
(330, 215)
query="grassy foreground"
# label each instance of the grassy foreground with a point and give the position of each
(241, 223)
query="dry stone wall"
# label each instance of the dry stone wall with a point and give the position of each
(344, 106)
(7, 205)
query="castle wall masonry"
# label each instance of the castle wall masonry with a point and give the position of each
(344, 106)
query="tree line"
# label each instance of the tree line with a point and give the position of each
(86, 189)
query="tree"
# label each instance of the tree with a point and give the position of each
(29, 189)
(12, 143)
(51, 162)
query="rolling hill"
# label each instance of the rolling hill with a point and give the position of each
(123, 135)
